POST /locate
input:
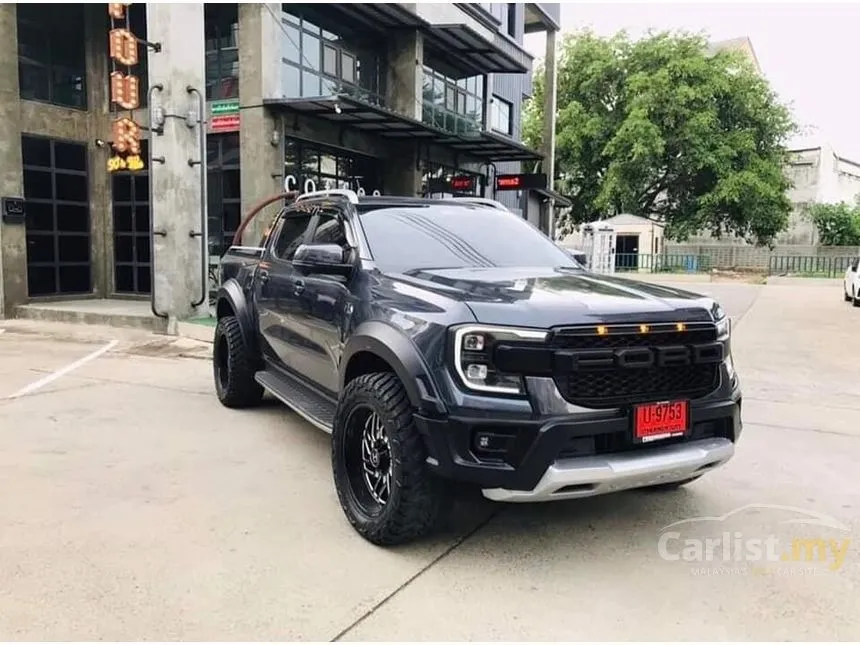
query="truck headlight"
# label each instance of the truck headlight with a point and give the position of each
(724, 323)
(473, 357)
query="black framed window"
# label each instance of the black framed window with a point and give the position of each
(329, 167)
(56, 190)
(222, 50)
(502, 116)
(322, 57)
(453, 105)
(52, 54)
(131, 229)
(225, 190)
(511, 21)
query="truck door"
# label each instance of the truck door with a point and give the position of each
(276, 292)
(324, 309)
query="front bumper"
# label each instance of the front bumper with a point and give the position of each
(577, 455)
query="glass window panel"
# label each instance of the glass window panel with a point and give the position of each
(73, 218)
(34, 82)
(290, 44)
(141, 187)
(71, 188)
(231, 217)
(124, 279)
(290, 80)
(74, 248)
(141, 248)
(348, 68)
(330, 60)
(41, 280)
(141, 218)
(40, 248)
(75, 279)
(310, 84)
(40, 216)
(121, 188)
(232, 189)
(310, 51)
(144, 280)
(36, 151)
(124, 248)
(122, 219)
(70, 156)
(38, 184)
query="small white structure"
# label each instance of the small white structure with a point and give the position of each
(638, 241)
(598, 242)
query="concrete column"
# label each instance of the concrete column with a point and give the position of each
(549, 107)
(261, 163)
(177, 198)
(13, 237)
(404, 94)
(98, 127)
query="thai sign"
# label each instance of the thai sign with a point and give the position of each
(124, 91)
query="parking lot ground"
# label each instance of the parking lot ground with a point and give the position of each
(135, 507)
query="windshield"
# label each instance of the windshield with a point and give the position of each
(405, 239)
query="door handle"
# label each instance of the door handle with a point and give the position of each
(263, 276)
(300, 286)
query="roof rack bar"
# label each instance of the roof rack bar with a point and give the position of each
(343, 192)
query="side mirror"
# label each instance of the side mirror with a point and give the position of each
(329, 259)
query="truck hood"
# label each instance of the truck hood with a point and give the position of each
(546, 297)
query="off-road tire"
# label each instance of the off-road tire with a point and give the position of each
(670, 486)
(237, 389)
(419, 501)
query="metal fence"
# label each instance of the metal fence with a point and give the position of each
(812, 266)
(661, 263)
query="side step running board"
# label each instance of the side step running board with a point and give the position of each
(313, 407)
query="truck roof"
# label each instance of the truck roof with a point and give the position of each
(364, 203)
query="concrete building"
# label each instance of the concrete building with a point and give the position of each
(820, 176)
(742, 45)
(375, 97)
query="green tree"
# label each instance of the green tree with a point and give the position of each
(837, 224)
(659, 128)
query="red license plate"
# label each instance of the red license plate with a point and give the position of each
(662, 420)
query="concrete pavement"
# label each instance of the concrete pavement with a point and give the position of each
(136, 507)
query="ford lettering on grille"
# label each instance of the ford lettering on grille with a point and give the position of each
(665, 356)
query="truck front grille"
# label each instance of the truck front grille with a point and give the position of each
(613, 385)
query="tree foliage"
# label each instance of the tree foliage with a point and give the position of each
(837, 224)
(660, 128)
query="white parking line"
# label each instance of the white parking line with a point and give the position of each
(53, 376)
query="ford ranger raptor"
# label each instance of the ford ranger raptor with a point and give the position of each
(445, 344)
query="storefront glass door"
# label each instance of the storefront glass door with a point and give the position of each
(311, 166)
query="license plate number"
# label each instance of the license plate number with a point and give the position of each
(662, 420)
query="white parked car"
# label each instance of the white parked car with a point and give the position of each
(851, 283)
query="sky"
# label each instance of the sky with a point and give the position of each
(808, 51)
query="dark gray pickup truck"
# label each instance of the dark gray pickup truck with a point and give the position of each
(445, 344)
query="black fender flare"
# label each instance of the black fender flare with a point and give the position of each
(396, 349)
(232, 293)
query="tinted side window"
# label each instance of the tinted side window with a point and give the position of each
(292, 234)
(329, 231)
(855, 263)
